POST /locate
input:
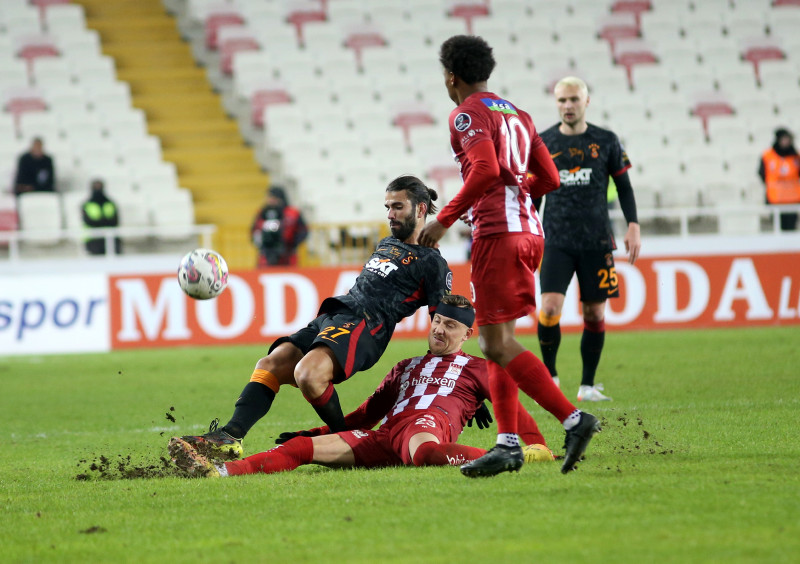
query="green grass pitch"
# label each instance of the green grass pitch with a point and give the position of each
(698, 462)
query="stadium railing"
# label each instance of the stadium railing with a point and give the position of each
(729, 220)
(49, 239)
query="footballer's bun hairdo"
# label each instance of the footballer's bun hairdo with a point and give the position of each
(417, 191)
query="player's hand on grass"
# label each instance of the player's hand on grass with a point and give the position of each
(482, 417)
(431, 233)
(633, 242)
(289, 435)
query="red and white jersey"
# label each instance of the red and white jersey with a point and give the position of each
(506, 206)
(455, 384)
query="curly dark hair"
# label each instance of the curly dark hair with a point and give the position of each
(468, 57)
(417, 191)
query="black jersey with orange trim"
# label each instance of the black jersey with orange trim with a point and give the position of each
(576, 215)
(395, 282)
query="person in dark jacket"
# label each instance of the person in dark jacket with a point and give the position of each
(278, 230)
(35, 171)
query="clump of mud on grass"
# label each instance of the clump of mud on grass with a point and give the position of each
(127, 466)
(124, 467)
(630, 437)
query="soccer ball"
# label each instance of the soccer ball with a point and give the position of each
(537, 453)
(203, 274)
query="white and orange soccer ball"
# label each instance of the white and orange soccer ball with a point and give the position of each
(203, 274)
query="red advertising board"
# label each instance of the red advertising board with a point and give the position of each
(258, 306)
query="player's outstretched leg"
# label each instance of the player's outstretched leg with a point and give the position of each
(499, 459)
(191, 462)
(216, 444)
(507, 454)
(577, 439)
(254, 402)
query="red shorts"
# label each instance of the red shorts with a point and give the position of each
(388, 446)
(503, 287)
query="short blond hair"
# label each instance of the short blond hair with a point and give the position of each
(572, 81)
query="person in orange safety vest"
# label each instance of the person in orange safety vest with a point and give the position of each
(780, 172)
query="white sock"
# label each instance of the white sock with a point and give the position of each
(222, 469)
(572, 420)
(508, 439)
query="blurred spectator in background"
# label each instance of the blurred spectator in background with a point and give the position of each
(780, 172)
(100, 211)
(35, 171)
(278, 230)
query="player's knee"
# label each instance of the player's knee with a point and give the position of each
(550, 308)
(594, 312)
(311, 379)
(492, 349)
(265, 363)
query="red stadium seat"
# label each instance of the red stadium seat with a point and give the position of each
(761, 49)
(468, 9)
(441, 172)
(710, 104)
(44, 4)
(636, 7)
(8, 222)
(776, 3)
(301, 12)
(31, 46)
(361, 37)
(266, 96)
(232, 40)
(631, 52)
(17, 101)
(217, 17)
(621, 25)
(411, 115)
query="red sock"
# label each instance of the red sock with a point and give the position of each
(527, 429)
(288, 456)
(534, 379)
(445, 454)
(505, 398)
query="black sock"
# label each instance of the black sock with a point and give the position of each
(328, 408)
(253, 404)
(591, 349)
(549, 340)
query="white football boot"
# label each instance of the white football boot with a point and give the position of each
(592, 393)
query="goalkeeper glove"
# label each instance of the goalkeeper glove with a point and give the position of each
(482, 417)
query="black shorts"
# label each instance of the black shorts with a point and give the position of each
(346, 335)
(597, 277)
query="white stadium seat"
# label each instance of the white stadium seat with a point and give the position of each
(40, 217)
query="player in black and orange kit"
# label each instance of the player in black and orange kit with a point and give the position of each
(504, 164)
(425, 401)
(351, 331)
(579, 236)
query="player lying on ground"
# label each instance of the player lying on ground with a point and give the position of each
(351, 331)
(504, 164)
(426, 400)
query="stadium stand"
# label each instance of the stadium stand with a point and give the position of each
(680, 76)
